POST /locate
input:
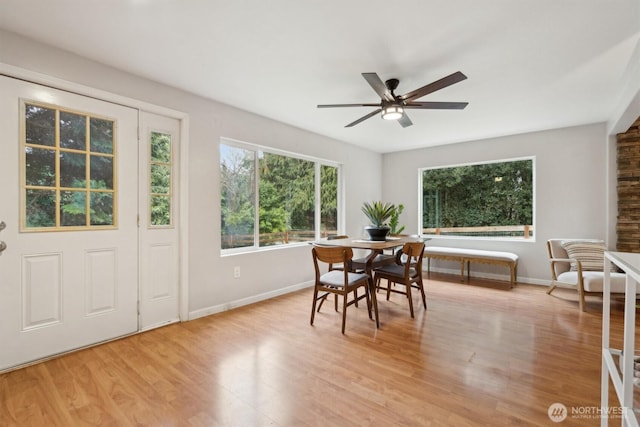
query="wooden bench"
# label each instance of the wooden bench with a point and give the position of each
(473, 255)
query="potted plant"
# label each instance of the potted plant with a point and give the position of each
(378, 214)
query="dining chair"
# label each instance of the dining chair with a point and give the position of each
(338, 282)
(337, 267)
(407, 271)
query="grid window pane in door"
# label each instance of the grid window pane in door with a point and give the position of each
(69, 169)
(160, 179)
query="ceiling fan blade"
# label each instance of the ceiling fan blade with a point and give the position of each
(436, 105)
(378, 85)
(405, 121)
(347, 105)
(362, 119)
(432, 87)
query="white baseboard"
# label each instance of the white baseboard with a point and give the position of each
(272, 294)
(491, 276)
(246, 301)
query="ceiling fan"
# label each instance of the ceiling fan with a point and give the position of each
(393, 106)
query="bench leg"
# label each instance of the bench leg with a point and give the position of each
(462, 271)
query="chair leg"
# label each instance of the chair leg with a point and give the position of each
(421, 288)
(374, 300)
(583, 306)
(367, 293)
(408, 288)
(313, 307)
(344, 310)
(551, 288)
(389, 282)
(355, 297)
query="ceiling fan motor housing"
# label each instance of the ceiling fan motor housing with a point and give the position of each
(392, 84)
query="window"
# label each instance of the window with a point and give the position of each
(68, 167)
(270, 198)
(160, 165)
(489, 200)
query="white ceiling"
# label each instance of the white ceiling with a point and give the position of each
(531, 64)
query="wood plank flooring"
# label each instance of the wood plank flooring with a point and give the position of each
(481, 355)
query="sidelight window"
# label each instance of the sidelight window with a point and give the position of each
(160, 179)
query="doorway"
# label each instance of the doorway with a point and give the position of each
(80, 256)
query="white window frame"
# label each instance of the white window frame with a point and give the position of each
(318, 162)
(531, 239)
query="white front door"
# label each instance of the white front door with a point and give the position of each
(159, 231)
(68, 186)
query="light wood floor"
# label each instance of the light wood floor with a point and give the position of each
(481, 355)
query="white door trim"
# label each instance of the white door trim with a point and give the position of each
(57, 83)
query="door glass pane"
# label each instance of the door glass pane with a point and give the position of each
(73, 170)
(160, 179)
(101, 172)
(73, 208)
(40, 208)
(73, 131)
(160, 147)
(41, 167)
(160, 210)
(101, 135)
(40, 126)
(101, 208)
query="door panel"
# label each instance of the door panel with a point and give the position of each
(66, 287)
(159, 231)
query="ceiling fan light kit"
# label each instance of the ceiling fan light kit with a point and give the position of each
(392, 112)
(393, 106)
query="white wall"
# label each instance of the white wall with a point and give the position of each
(570, 186)
(211, 283)
(571, 177)
(575, 180)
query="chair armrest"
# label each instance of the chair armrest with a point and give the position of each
(569, 260)
(553, 260)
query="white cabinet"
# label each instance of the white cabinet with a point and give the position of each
(623, 384)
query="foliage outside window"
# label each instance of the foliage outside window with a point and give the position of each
(68, 164)
(160, 179)
(489, 200)
(271, 199)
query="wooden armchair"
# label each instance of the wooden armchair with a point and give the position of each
(578, 264)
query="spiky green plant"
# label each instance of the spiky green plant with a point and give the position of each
(378, 212)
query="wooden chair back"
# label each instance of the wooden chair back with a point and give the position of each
(414, 252)
(330, 255)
